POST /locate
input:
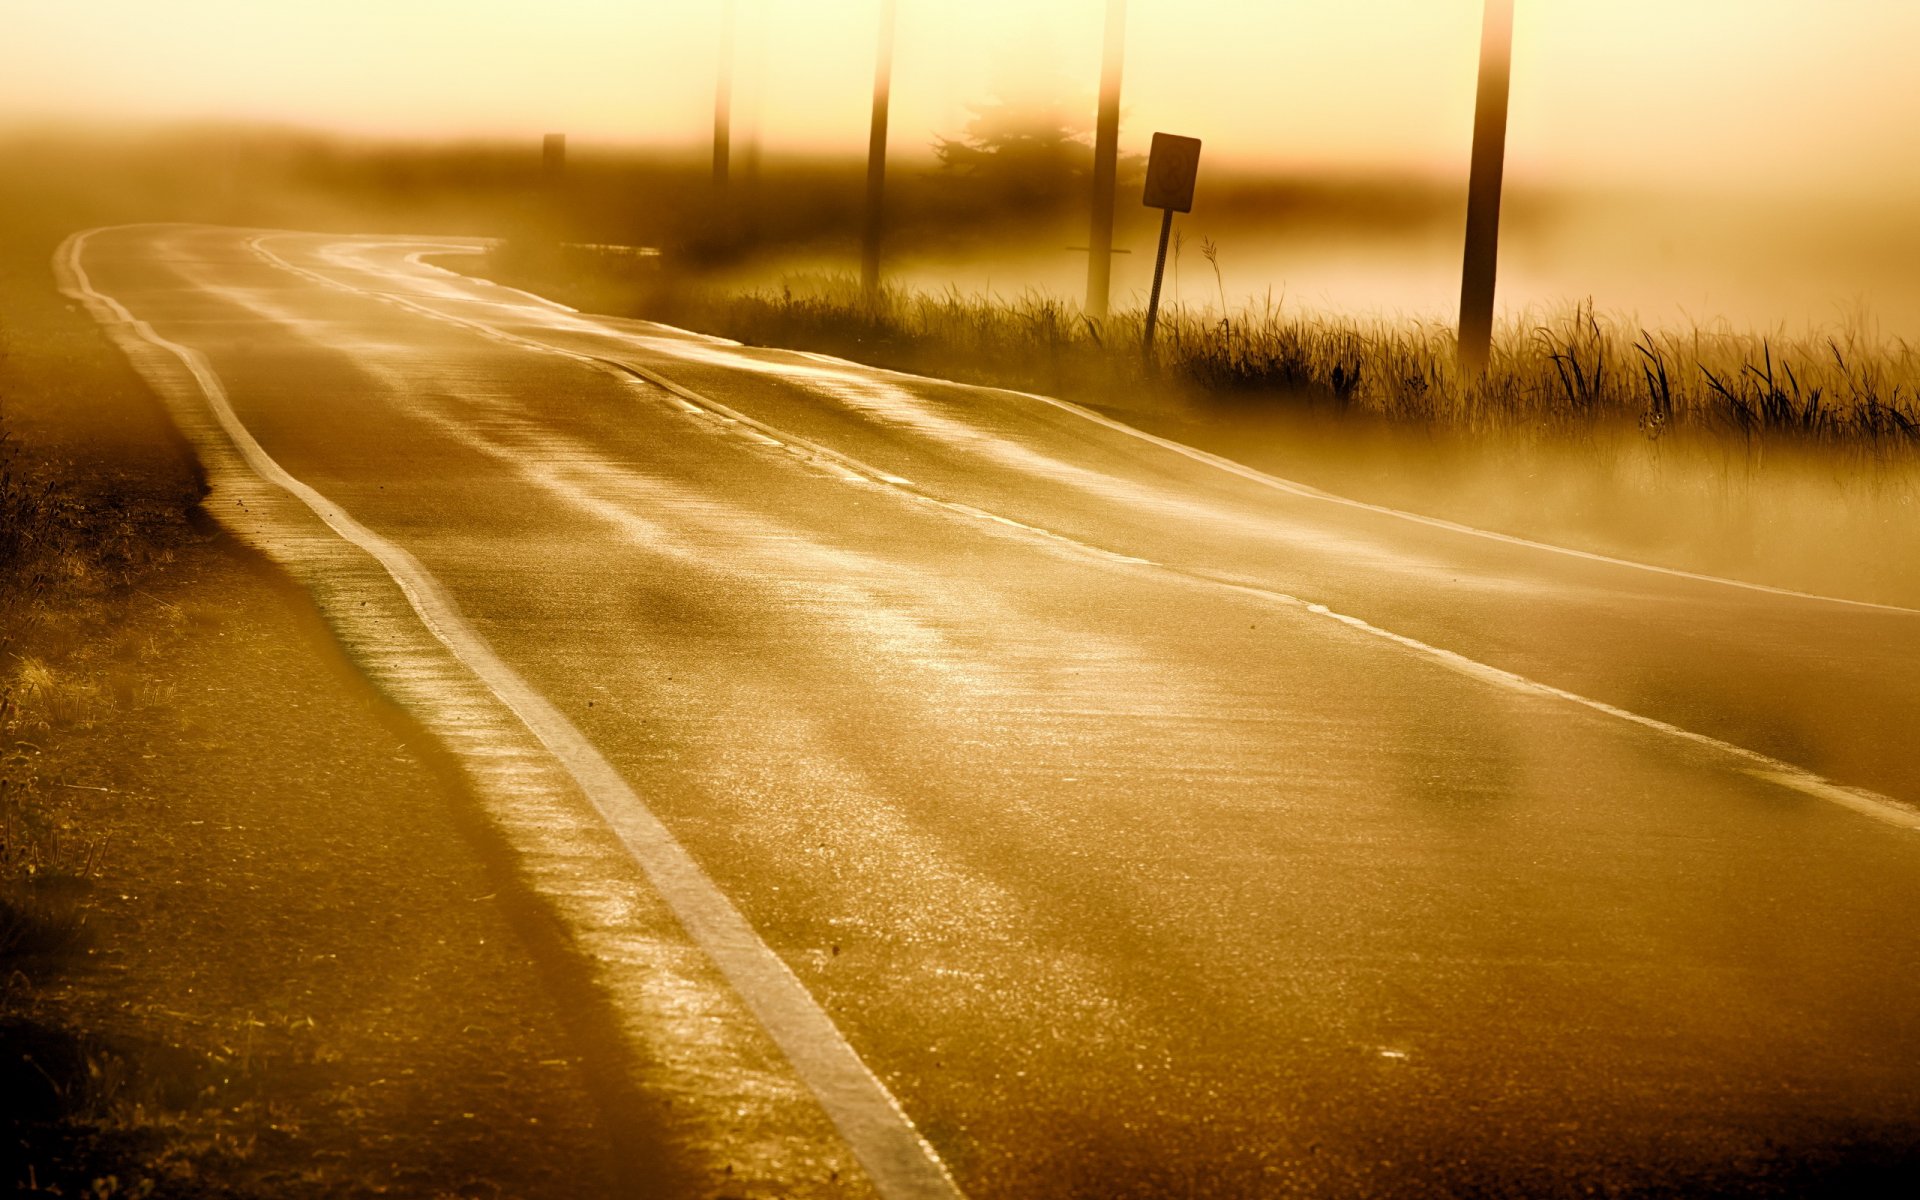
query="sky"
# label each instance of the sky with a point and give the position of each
(1798, 95)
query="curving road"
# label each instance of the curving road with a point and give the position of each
(1007, 801)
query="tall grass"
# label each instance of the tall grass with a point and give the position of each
(1842, 388)
(29, 521)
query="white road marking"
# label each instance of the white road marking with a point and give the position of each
(1761, 766)
(1227, 465)
(899, 1161)
(1278, 483)
(418, 259)
(1306, 492)
(1756, 764)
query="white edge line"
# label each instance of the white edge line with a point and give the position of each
(417, 258)
(488, 247)
(1254, 475)
(1761, 766)
(1307, 492)
(711, 339)
(897, 1158)
(1784, 774)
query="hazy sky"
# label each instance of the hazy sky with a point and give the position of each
(1741, 93)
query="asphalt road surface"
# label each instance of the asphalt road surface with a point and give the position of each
(1009, 801)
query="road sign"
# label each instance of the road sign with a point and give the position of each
(1171, 170)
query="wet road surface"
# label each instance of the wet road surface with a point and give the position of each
(1145, 825)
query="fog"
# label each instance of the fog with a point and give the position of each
(567, 628)
(1675, 164)
(1734, 94)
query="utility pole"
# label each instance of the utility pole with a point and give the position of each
(1106, 151)
(877, 155)
(1483, 189)
(744, 205)
(723, 100)
(553, 184)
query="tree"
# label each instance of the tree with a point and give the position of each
(1029, 151)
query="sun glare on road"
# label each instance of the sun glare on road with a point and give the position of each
(877, 598)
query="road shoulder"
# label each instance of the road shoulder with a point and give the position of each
(259, 938)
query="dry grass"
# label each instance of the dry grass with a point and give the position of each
(1842, 389)
(29, 525)
(71, 546)
(1577, 367)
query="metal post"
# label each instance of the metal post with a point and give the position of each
(1483, 189)
(877, 156)
(1153, 297)
(1106, 150)
(723, 101)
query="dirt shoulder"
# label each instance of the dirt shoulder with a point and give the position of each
(257, 938)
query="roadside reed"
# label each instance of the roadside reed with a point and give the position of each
(1578, 367)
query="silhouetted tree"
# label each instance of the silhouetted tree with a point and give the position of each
(1029, 152)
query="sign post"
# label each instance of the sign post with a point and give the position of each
(1172, 168)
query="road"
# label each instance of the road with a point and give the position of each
(1118, 820)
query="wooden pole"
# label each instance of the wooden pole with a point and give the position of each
(1106, 151)
(877, 156)
(553, 184)
(1483, 189)
(723, 101)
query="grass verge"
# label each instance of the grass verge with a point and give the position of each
(254, 941)
(88, 526)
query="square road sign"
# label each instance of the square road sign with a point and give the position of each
(1171, 169)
